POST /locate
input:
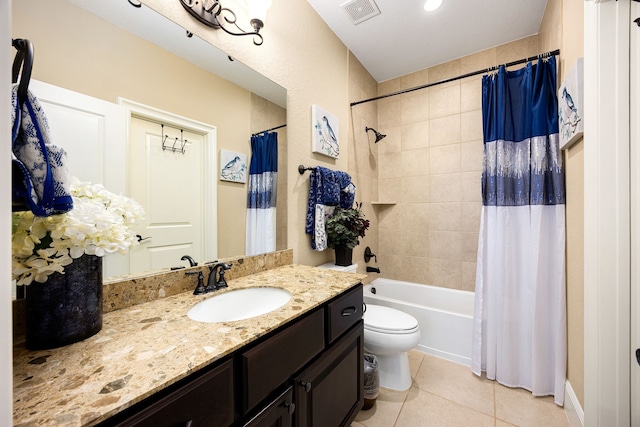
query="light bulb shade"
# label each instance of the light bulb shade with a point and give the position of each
(257, 9)
(431, 5)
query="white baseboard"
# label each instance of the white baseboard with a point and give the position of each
(572, 408)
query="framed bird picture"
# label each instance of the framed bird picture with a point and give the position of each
(570, 106)
(233, 166)
(325, 127)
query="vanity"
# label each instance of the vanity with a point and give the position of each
(298, 365)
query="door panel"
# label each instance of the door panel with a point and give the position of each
(169, 185)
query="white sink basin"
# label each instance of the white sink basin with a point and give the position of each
(238, 305)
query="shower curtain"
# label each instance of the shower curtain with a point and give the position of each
(261, 198)
(519, 335)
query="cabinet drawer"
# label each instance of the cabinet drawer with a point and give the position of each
(344, 312)
(270, 364)
(205, 401)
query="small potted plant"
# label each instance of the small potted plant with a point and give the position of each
(344, 229)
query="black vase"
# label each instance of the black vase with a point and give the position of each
(344, 255)
(67, 308)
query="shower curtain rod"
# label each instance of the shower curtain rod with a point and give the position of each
(474, 73)
(268, 130)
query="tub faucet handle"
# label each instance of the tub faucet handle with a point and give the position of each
(368, 255)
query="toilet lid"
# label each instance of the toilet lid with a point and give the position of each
(385, 319)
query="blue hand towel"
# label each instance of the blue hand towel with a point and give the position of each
(40, 178)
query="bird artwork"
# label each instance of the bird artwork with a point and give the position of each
(234, 170)
(326, 137)
(570, 120)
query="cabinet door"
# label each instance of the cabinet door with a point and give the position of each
(278, 413)
(206, 401)
(330, 391)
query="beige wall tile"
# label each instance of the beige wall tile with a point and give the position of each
(415, 162)
(444, 159)
(390, 216)
(468, 273)
(469, 247)
(445, 273)
(390, 243)
(446, 188)
(390, 266)
(445, 245)
(528, 46)
(444, 101)
(388, 189)
(415, 216)
(392, 143)
(415, 243)
(414, 189)
(445, 216)
(389, 112)
(390, 165)
(471, 94)
(471, 183)
(478, 61)
(471, 126)
(471, 213)
(444, 71)
(415, 135)
(415, 269)
(471, 156)
(444, 130)
(414, 106)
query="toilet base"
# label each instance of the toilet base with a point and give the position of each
(394, 371)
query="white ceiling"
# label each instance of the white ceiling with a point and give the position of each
(404, 38)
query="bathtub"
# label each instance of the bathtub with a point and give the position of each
(445, 316)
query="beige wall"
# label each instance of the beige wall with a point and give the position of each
(562, 27)
(79, 51)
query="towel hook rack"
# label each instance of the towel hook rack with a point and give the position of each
(165, 146)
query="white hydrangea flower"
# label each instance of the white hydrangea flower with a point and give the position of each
(99, 224)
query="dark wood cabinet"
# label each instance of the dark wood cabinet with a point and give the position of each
(330, 391)
(205, 401)
(308, 373)
(278, 413)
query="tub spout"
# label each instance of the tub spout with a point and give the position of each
(373, 270)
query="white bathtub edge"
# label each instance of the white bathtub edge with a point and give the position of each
(444, 355)
(572, 408)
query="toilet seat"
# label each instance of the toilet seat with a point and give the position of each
(388, 320)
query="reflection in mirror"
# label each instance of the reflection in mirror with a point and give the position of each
(116, 51)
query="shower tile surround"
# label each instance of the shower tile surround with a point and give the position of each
(430, 163)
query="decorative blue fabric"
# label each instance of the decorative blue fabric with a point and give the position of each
(327, 189)
(40, 177)
(263, 171)
(522, 159)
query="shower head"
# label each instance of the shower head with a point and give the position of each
(379, 136)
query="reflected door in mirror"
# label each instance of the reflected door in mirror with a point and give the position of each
(169, 185)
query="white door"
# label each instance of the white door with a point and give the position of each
(93, 133)
(169, 184)
(634, 65)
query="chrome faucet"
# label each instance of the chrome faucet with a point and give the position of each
(218, 270)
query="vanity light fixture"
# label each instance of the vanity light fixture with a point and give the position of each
(431, 5)
(213, 14)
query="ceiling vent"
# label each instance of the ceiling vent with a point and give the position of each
(360, 10)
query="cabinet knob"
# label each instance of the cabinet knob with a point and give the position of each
(290, 407)
(307, 386)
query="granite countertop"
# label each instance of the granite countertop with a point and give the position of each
(145, 348)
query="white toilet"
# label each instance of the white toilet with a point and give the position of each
(389, 334)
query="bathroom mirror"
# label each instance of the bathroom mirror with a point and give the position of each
(108, 49)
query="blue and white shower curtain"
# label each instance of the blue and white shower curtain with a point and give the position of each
(261, 198)
(519, 335)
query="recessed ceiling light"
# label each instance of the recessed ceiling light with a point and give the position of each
(431, 5)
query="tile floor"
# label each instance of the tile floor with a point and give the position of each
(445, 394)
